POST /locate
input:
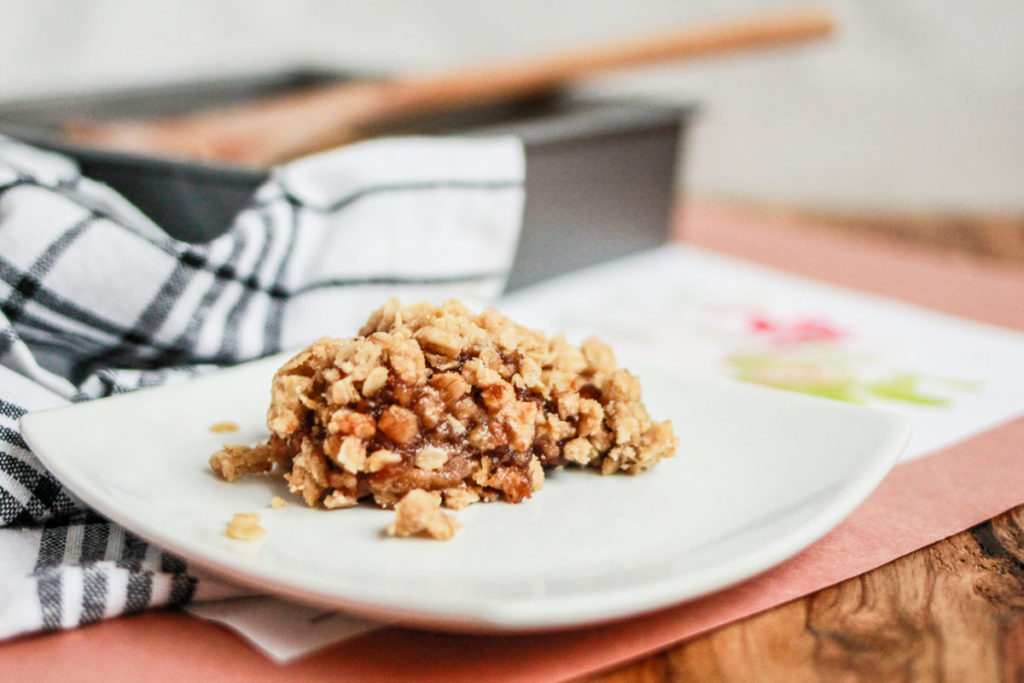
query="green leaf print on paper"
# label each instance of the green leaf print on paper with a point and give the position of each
(814, 374)
(905, 388)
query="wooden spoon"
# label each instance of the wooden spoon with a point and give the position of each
(277, 129)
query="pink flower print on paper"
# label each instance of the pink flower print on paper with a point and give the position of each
(799, 331)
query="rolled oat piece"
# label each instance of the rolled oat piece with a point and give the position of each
(245, 526)
(438, 398)
(419, 513)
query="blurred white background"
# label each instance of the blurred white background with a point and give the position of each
(913, 105)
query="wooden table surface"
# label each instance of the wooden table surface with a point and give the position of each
(952, 611)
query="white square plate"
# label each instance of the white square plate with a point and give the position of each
(760, 475)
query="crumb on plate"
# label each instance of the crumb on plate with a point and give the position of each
(419, 512)
(245, 526)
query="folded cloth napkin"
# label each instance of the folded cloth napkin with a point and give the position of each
(96, 299)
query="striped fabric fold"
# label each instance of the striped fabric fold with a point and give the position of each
(95, 300)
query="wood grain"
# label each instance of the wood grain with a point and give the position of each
(952, 611)
(995, 235)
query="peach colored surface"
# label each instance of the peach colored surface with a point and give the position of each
(918, 503)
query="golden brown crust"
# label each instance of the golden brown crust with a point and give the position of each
(437, 398)
(236, 460)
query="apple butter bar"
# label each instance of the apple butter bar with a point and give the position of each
(469, 407)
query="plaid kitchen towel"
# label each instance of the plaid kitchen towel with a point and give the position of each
(95, 299)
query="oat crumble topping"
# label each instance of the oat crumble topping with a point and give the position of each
(459, 406)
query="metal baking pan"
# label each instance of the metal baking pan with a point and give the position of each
(600, 174)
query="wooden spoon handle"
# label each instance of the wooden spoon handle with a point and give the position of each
(283, 128)
(504, 82)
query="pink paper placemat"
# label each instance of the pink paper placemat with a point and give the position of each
(920, 502)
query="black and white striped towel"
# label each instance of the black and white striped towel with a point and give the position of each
(95, 299)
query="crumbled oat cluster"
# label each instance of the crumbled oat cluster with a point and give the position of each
(468, 406)
(419, 512)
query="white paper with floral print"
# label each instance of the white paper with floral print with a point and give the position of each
(709, 314)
